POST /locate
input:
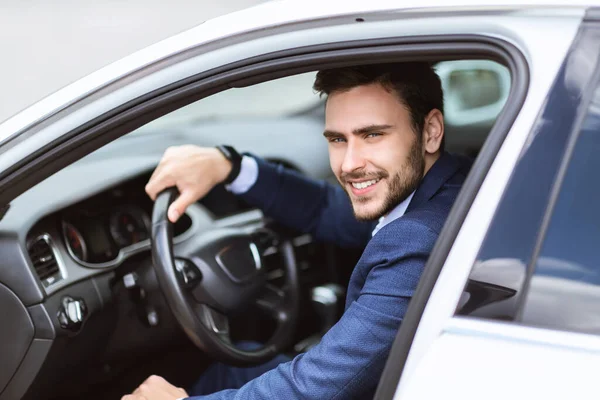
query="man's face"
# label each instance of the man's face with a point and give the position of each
(374, 152)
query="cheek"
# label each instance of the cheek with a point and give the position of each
(385, 155)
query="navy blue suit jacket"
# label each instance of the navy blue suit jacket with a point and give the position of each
(349, 360)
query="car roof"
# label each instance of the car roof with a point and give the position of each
(262, 16)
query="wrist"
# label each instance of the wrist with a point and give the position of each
(223, 166)
(232, 164)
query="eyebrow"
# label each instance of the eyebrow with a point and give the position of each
(358, 131)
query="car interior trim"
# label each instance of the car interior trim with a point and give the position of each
(126, 252)
(30, 366)
(49, 283)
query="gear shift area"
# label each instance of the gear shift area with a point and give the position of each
(327, 301)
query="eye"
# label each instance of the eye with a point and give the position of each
(373, 134)
(336, 140)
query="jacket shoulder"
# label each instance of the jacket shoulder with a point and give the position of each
(406, 234)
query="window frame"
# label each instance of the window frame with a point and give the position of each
(81, 141)
(398, 356)
(404, 339)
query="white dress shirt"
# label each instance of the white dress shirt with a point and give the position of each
(249, 174)
(396, 213)
(246, 178)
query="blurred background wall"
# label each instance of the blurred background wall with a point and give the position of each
(48, 44)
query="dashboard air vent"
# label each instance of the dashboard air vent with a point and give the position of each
(44, 260)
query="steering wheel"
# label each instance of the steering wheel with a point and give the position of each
(219, 273)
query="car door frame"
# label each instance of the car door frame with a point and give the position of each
(427, 297)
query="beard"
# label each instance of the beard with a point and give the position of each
(399, 186)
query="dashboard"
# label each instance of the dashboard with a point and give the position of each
(75, 238)
(100, 230)
(98, 243)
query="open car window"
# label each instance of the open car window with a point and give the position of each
(475, 92)
(273, 99)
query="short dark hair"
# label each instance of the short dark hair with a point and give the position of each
(415, 83)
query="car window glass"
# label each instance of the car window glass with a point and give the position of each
(498, 279)
(564, 291)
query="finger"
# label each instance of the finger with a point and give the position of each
(179, 206)
(159, 183)
(156, 174)
(156, 387)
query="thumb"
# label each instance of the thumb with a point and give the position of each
(179, 206)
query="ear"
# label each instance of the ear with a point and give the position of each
(433, 131)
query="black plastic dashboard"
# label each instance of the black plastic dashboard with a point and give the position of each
(98, 230)
(72, 239)
(71, 249)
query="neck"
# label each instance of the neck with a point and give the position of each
(430, 159)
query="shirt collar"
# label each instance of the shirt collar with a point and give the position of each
(396, 213)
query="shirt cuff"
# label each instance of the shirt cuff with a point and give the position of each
(246, 178)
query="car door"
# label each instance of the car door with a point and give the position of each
(525, 323)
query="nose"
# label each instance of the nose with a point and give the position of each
(353, 158)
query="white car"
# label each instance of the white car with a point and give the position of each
(508, 305)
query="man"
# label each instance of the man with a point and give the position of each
(385, 131)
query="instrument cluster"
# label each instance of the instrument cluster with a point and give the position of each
(99, 237)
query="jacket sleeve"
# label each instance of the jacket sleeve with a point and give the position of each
(310, 206)
(349, 360)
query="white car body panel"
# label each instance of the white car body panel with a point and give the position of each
(478, 359)
(430, 339)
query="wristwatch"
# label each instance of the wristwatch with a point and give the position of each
(236, 161)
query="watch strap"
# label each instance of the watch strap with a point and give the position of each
(236, 161)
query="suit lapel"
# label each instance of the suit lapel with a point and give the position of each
(439, 173)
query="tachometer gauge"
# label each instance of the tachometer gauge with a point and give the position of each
(129, 225)
(75, 243)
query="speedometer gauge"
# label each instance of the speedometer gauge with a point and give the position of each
(75, 243)
(129, 225)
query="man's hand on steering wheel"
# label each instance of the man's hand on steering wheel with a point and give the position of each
(193, 170)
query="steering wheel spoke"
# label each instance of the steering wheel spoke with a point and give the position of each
(216, 322)
(188, 274)
(272, 300)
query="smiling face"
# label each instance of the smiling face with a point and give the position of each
(373, 150)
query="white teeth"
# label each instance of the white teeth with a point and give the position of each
(362, 185)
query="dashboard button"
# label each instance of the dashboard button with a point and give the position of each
(71, 313)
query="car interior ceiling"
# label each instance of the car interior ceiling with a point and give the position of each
(134, 334)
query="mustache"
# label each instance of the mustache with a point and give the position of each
(354, 175)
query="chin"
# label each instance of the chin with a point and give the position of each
(367, 213)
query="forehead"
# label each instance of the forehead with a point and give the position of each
(362, 106)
